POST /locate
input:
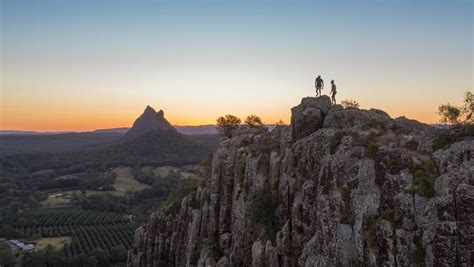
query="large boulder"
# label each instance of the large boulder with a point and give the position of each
(308, 116)
(356, 119)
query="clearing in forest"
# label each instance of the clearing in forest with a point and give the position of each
(56, 242)
(126, 181)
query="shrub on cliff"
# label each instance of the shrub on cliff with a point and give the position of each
(371, 149)
(173, 203)
(262, 212)
(227, 124)
(442, 141)
(422, 186)
(418, 255)
(346, 213)
(207, 165)
(335, 141)
(370, 234)
(349, 103)
(370, 124)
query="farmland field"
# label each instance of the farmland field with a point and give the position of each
(55, 201)
(63, 216)
(73, 230)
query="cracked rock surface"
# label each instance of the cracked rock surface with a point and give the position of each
(338, 187)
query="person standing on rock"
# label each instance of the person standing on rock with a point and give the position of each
(319, 84)
(333, 92)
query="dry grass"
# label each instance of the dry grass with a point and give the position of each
(55, 201)
(166, 170)
(125, 180)
(67, 197)
(163, 171)
(56, 242)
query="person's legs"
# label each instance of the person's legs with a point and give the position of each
(334, 99)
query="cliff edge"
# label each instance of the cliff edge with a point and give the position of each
(338, 187)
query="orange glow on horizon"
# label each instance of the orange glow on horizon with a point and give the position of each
(69, 120)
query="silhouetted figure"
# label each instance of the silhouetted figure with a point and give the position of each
(319, 84)
(333, 92)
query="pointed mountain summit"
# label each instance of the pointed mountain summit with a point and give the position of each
(150, 121)
(153, 141)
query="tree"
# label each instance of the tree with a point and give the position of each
(254, 121)
(91, 261)
(349, 103)
(468, 107)
(9, 232)
(458, 115)
(6, 257)
(118, 254)
(53, 257)
(35, 258)
(449, 113)
(101, 256)
(228, 124)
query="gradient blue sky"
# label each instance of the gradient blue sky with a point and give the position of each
(82, 65)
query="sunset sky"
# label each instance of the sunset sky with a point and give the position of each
(84, 65)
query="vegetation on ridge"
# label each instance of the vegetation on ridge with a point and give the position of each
(349, 103)
(458, 115)
(227, 124)
(254, 121)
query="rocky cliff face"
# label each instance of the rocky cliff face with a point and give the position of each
(339, 187)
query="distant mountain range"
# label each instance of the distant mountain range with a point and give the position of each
(20, 132)
(150, 125)
(189, 130)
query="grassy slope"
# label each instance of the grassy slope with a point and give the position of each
(126, 181)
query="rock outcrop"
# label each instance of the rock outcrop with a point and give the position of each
(339, 187)
(149, 121)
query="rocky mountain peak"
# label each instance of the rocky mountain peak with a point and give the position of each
(149, 121)
(308, 116)
(149, 110)
(160, 114)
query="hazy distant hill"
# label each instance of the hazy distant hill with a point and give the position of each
(13, 141)
(190, 130)
(42, 142)
(201, 129)
(121, 130)
(151, 141)
(19, 132)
